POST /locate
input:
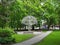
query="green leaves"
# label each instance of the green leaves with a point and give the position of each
(16, 10)
(6, 36)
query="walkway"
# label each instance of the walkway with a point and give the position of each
(35, 39)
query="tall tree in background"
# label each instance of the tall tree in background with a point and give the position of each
(4, 11)
(13, 11)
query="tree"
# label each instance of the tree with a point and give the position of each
(49, 13)
(17, 12)
(4, 11)
(29, 21)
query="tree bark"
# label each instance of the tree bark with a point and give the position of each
(33, 27)
(25, 27)
(17, 28)
(48, 27)
(39, 26)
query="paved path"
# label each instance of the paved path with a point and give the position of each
(34, 39)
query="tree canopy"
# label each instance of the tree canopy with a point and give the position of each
(13, 11)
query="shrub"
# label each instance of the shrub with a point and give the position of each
(6, 36)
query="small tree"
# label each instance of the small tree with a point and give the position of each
(29, 21)
(6, 37)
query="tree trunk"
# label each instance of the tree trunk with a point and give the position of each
(39, 26)
(48, 27)
(17, 28)
(33, 27)
(25, 27)
(52, 26)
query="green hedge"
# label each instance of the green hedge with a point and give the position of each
(6, 36)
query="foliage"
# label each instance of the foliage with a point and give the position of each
(29, 20)
(13, 11)
(6, 36)
(2, 22)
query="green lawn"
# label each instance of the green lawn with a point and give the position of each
(22, 37)
(52, 39)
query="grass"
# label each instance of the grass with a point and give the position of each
(52, 39)
(22, 37)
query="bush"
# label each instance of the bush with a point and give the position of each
(6, 36)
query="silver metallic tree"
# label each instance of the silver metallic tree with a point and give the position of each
(29, 21)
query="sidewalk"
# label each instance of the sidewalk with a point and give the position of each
(35, 39)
